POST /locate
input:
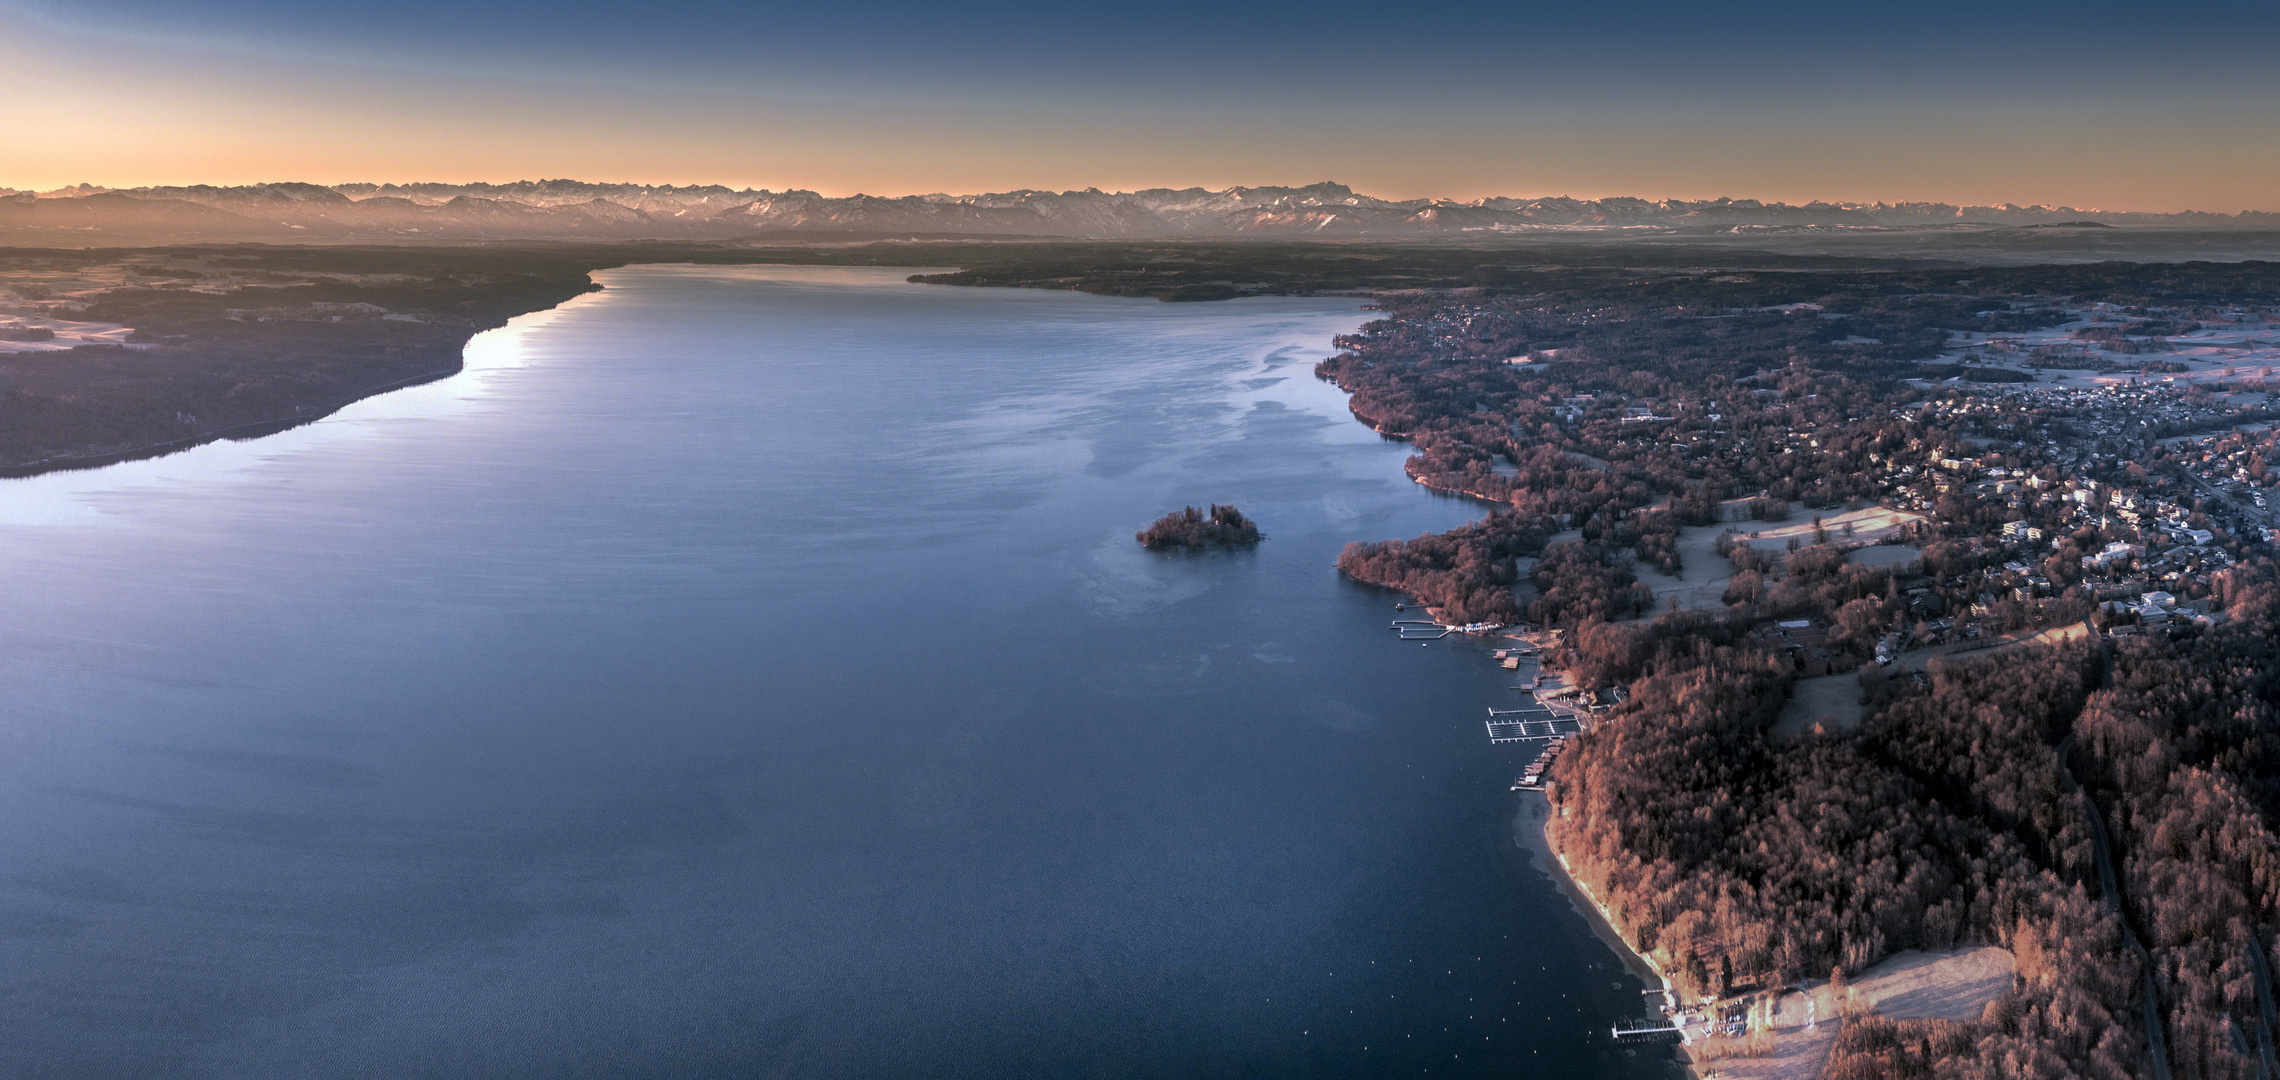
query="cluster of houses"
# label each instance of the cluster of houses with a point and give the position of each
(2156, 607)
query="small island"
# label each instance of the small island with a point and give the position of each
(1193, 528)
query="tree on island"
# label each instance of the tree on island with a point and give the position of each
(1190, 527)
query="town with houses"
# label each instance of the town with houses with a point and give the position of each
(2128, 469)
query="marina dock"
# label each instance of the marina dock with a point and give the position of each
(1543, 725)
(1647, 1030)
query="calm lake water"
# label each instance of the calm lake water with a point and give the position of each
(750, 672)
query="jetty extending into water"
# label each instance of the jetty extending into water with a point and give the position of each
(1428, 630)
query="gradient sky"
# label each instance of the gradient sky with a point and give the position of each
(2091, 104)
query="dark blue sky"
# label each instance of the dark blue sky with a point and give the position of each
(1676, 99)
(1089, 49)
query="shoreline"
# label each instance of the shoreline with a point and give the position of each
(1529, 822)
(513, 283)
(253, 429)
(1533, 813)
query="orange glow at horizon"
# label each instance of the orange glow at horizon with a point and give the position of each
(126, 114)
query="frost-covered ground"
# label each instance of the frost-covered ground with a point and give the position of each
(1952, 985)
(2233, 346)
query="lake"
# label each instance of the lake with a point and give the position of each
(751, 671)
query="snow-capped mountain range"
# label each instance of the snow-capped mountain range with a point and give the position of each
(574, 210)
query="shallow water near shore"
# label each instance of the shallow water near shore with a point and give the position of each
(751, 671)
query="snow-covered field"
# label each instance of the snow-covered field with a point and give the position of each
(1868, 525)
(68, 334)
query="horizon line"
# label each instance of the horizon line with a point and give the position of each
(749, 189)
